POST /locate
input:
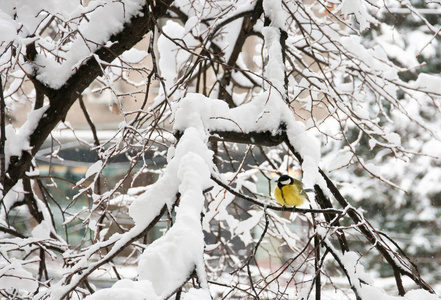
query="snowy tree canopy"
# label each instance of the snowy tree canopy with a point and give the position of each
(231, 94)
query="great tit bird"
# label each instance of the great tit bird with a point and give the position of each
(289, 191)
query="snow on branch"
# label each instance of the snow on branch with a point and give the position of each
(180, 251)
(104, 19)
(60, 71)
(167, 263)
(267, 112)
(281, 74)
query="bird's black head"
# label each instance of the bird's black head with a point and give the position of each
(284, 180)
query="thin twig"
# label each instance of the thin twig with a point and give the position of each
(253, 254)
(274, 207)
(2, 137)
(89, 121)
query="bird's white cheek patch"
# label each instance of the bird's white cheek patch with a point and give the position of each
(285, 182)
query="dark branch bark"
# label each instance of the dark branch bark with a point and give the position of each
(248, 22)
(96, 141)
(12, 231)
(63, 98)
(274, 207)
(375, 241)
(264, 138)
(273, 139)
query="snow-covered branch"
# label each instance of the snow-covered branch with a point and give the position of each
(160, 180)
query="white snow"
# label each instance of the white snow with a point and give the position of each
(359, 9)
(278, 16)
(133, 56)
(94, 168)
(370, 292)
(104, 19)
(42, 230)
(197, 294)
(355, 269)
(126, 289)
(168, 262)
(427, 83)
(14, 276)
(18, 141)
(245, 227)
(180, 251)
(16, 194)
(8, 28)
(341, 159)
(275, 68)
(432, 147)
(172, 58)
(191, 23)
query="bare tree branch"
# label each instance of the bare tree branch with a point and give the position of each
(62, 99)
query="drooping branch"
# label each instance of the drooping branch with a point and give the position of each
(376, 240)
(370, 235)
(68, 285)
(273, 139)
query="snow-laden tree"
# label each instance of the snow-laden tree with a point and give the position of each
(247, 90)
(415, 223)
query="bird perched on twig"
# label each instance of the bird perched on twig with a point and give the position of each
(289, 191)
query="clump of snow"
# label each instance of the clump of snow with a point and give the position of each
(180, 251)
(18, 141)
(432, 147)
(274, 11)
(134, 56)
(8, 28)
(191, 23)
(126, 289)
(275, 68)
(371, 292)
(15, 144)
(355, 269)
(244, 228)
(427, 83)
(14, 276)
(94, 168)
(359, 9)
(168, 262)
(197, 294)
(164, 191)
(420, 295)
(16, 194)
(172, 58)
(42, 230)
(104, 18)
(340, 160)
(266, 112)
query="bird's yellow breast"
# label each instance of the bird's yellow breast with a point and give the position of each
(289, 195)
